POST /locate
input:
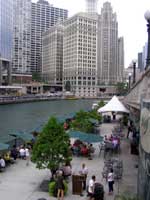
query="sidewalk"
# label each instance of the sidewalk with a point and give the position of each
(21, 182)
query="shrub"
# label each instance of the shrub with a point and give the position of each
(52, 188)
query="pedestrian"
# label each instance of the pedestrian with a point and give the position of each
(60, 185)
(91, 187)
(27, 155)
(84, 173)
(110, 180)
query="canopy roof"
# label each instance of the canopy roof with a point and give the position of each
(4, 146)
(86, 137)
(114, 105)
(23, 135)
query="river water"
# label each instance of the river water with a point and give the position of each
(29, 116)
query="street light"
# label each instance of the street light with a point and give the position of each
(134, 71)
(147, 17)
(129, 81)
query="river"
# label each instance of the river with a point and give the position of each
(28, 116)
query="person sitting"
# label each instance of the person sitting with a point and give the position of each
(84, 150)
(2, 163)
(8, 159)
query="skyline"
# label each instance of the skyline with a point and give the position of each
(127, 20)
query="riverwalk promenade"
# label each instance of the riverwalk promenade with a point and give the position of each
(21, 182)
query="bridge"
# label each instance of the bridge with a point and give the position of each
(138, 101)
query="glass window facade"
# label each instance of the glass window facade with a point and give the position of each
(6, 24)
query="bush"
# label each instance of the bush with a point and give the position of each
(52, 188)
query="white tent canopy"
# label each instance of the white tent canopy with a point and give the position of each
(114, 105)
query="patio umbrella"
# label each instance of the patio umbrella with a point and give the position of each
(23, 135)
(4, 147)
(86, 137)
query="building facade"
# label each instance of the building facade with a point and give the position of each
(120, 59)
(6, 30)
(80, 54)
(21, 56)
(52, 55)
(43, 17)
(107, 46)
(140, 61)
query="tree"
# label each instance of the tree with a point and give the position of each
(36, 76)
(122, 88)
(52, 147)
(82, 122)
(68, 86)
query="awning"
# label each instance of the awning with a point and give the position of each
(86, 137)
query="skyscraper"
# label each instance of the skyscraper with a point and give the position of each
(107, 46)
(44, 16)
(80, 54)
(5, 36)
(120, 59)
(91, 6)
(21, 36)
(52, 55)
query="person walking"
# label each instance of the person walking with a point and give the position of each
(110, 180)
(84, 173)
(91, 188)
(60, 185)
(27, 155)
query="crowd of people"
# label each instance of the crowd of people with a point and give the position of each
(9, 157)
(80, 148)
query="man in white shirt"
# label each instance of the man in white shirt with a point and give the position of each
(91, 188)
(84, 172)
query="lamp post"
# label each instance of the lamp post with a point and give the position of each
(147, 17)
(134, 71)
(129, 81)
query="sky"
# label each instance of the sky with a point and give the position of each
(131, 21)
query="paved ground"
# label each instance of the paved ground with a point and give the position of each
(21, 182)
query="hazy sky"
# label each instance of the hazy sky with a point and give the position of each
(131, 21)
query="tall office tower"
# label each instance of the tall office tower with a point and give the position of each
(6, 30)
(140, 61)
(91, 6)
(80, 54)
(21, 36)
(145, 54)
(52, 55)
(107, 46)
(44, 16)
(120, 59)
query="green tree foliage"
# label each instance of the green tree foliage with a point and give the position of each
(101, 104)
(36, 76)
(52, 146)
(95, 115)
(122, 88)
(82, 122)
(68, 86)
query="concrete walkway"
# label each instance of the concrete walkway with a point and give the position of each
(21, 182)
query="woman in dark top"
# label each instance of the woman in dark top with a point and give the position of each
(60, 186)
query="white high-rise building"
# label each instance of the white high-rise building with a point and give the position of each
(44, 16)
(91, 6)
(52, 55)
(107, 46)
(21, 56)
(120, 59)
(80, 54)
